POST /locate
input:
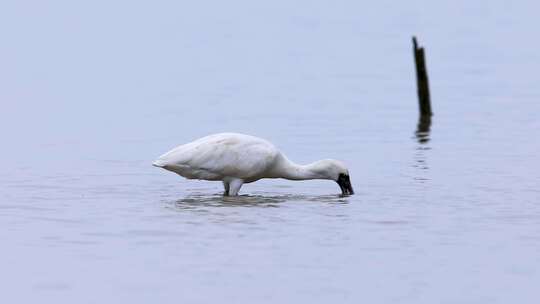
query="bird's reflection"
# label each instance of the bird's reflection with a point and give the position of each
(264, 200)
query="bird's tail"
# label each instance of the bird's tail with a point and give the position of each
(159, 163)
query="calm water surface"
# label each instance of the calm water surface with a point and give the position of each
(91, 94)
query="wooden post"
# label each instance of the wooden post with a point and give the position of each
(422, 80)
(424, 100)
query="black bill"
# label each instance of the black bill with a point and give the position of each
(344, 183)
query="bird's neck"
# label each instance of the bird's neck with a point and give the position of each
(290, 170)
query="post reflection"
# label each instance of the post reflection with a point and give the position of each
(423, 128)
(422, 136)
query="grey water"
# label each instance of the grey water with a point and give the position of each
(91, 93)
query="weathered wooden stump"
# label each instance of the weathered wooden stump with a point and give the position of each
(424, 99)
(422, 81)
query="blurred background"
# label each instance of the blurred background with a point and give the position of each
(92, 92)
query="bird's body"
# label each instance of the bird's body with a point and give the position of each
(221, 156)
(236, 159)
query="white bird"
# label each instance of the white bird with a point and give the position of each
(236, 159)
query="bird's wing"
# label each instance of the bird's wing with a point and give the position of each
(225, 155)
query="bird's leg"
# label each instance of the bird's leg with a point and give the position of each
(226, 185)
(234, 186)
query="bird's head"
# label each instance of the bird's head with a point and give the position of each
(335, 170)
